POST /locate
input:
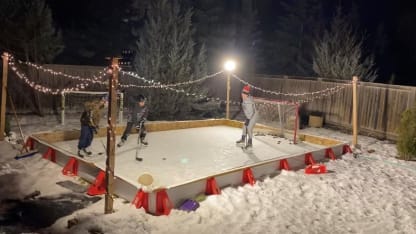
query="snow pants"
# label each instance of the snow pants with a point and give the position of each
(127, 131)
(249, 129)
(85, 139)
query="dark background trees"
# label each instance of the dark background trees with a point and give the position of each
(168, 54)
(268, 36)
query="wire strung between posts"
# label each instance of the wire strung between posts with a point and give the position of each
(307, 96)
(315, 94)
(158, 84)
(95, 79)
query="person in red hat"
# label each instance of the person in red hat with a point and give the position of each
(250, 112)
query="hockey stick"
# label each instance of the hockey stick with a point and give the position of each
(105, 148)
(138, 145)
(245, 138)
(24, 152)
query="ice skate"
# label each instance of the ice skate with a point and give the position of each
(143, 141)
(249, 143)
(81, 153)
(242, 140)
(87, 151)
(121, 143)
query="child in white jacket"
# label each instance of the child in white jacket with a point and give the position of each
(249, 109)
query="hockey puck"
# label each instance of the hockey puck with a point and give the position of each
(139, 159)
(145, 179)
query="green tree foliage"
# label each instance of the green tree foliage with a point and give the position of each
(28, 32)
(339, 53)
(406, 142)
(290, 48)
(167, 53)
(101, 29)
(228, 29)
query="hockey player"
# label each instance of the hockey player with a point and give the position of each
(90, 121)
(250, 112)
(137, 117)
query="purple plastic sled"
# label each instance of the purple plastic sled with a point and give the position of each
(189, 205)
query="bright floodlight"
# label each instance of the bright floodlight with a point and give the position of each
(229, 65)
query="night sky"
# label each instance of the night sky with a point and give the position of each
(396, 17)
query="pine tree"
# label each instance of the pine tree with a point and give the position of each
(291, 46)
(166, 53)
(209, 15)
(406, 141)
(339, 53)
(102, 29)
(229, 29)
(28, 31)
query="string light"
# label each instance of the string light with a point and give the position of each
(305, 97)
(95, 79)
(159, 85)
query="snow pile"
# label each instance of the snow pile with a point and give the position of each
(371, 193)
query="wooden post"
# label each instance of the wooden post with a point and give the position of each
(227, 114)
(354, 111)
(63, 108)
(5, 58)
(111, 137)
(120, 112)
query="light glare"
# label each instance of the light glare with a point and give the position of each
(229, 65)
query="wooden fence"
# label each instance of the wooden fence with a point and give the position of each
(379, 105)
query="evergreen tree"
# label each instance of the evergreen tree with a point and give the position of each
(248, 38)
(28, 32)
(406, 140)
(167, 53)
(213, 30)
(290, 48)
(339, 53)
(229, 29)
(101, 29)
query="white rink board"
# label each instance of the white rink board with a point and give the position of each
(176, 156)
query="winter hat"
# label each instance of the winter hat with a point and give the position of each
(141, 98)
(246, 89)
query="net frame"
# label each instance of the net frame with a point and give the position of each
(282, 115)
(64, 101)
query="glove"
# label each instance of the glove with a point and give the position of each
(139, 125)
(247, 122)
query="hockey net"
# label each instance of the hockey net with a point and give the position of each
(281, 115)
(72, 105)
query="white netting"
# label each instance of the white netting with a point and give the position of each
(278, 114)
(72, 105)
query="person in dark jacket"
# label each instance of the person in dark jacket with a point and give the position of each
(137, 117)
(250, 112)
(90, 121)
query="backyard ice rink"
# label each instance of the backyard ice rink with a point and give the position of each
(175, 157)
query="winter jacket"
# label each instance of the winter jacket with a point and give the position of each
(138, 114)
(92, 114)
(249, 108)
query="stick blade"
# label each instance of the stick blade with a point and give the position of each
(26, 154)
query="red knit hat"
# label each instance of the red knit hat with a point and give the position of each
(246, 89)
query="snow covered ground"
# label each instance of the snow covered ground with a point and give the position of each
(373, 193)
